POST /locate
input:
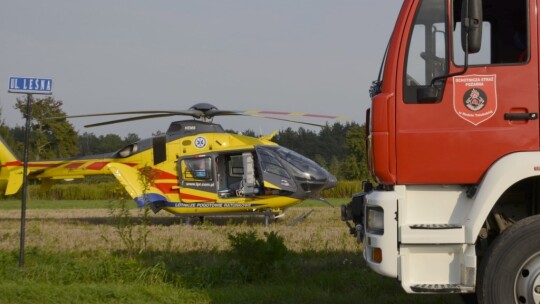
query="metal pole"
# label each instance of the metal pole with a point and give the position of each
(25, 179)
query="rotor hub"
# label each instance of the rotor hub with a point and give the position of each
(203, 107)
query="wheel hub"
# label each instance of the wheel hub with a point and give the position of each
(527, 283)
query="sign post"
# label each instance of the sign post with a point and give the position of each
(28, 86)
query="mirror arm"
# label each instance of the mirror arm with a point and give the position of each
(465, 64)
(465, 68)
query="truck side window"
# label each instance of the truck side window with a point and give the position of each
(483, 57)
(427, 51)
(505, 35)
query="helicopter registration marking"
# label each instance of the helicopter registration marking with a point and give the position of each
(200, 142)
(199, 184)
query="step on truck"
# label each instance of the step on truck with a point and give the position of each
(453, 143)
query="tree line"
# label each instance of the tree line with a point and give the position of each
(340, 148)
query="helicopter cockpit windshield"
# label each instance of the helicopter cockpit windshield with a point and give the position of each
(307, 173)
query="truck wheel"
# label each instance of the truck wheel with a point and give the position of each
(510, 272)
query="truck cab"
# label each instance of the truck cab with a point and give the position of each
(453, 147)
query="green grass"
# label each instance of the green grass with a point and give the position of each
(197, 277)
(76, 256)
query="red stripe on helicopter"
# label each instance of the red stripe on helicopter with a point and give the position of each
(75, 165)
(13, 164)
(19, 163)
(100, 165)
(97, 165)
(167, 188)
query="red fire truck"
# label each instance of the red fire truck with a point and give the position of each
(454, 149)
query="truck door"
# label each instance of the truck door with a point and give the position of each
(478, 117)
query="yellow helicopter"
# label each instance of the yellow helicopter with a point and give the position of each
(194, 169)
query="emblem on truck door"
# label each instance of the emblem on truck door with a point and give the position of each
(475, 97)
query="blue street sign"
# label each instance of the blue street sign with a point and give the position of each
(30, 85)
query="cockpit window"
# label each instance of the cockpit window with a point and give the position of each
(270, 164)
(196, 169)
(303, 168)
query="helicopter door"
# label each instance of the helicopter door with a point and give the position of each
(197, 173)
(237, 177)
(274, 175)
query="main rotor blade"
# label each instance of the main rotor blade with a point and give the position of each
(212, 113)
(259, 114)
(205, 111)
(110, 122)
(288, 120)
(194, 113)
(297, 114)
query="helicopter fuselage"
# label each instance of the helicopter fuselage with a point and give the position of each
(195, 168)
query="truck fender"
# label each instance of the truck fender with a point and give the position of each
(505, 172)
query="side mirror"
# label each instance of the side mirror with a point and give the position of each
(471, 25)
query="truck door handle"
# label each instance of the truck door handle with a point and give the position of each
(520, 116)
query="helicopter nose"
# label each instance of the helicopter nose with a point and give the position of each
(331, 182)
(313, 186)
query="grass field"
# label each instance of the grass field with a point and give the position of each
(75, 254)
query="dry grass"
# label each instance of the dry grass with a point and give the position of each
(94, 229)
(77, 256)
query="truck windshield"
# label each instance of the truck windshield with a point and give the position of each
(426, 52)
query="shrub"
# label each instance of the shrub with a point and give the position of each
(255, 258)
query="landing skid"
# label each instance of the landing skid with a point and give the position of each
(300, 218)
(190, 220)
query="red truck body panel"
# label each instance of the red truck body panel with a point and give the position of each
(443, 142)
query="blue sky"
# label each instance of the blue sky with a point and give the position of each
(286, 55)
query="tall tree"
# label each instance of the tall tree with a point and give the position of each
(50, 138)
(4, 129)
(354, 166)
(131, 138)
(110, 143)
(90, 144)
(332, 141)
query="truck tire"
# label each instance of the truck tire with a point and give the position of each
(510, 272)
